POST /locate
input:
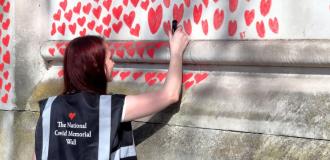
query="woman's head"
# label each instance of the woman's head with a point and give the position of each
(87, 65)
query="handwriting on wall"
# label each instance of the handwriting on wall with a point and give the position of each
(150, 19)
(6, 65)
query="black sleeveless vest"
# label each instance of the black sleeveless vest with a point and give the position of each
(83, 126)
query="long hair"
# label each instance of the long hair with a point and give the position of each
(84, 62)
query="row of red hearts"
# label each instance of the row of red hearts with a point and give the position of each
(5, 86)
(188, 78)
(264, 4)
(118, 49)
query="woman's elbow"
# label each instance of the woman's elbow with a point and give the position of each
(173, 98)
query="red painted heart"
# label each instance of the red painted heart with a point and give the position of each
(77, 8)
(135, 31)
(187, 2)
(200, 76)
(107, 4)
(128, 44)
(249, 16)
(107, 32)
(186, 76)
(6, 24)
(68, 15)
(87, 8)
(197, 13)
(81, 21)
(6, 57)
(130, 52)
(53, 31)
(135, 2)
(6, 75)
(1, 66)
(140, 52)
(124, 75)
(151, 82)
(187, 26)
(4, 98)
(155, 18)
(265, 6)
(151, 52)
(161, 76)
(2, 2)
(60, 73)
(63, 4)
(188, 85)
(91, 25)
(205, 26)
(117, 26)
(167, 27)
(61, 29)
(167, 3)
(82, 32)
(137, 75)
(120, 53)
(129, 19)
(233, 5)
(273, 25)
(178, 12)
(6, 7)
(116, 11)
(206, 3)
(8, 87)
(218, 18)
(106, 20)
(145, 4)
(72, 28)
(149, 76)
(99, 29)
(5, 40)
(125, 2)
(232, 27)
(260, 29)
(1, 17)
(97, 12)
(57, 15)
(62, 51)
(114, 73)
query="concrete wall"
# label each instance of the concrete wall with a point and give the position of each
(249, 92)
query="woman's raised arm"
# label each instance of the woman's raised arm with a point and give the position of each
(141, 105)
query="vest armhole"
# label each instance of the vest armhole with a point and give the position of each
(123, 111)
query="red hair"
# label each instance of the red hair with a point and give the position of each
(84, 62)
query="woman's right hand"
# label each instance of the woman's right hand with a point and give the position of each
(178, 41)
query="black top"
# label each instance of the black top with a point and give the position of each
(83, 126)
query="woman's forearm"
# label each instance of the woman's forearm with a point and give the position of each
(172, 86)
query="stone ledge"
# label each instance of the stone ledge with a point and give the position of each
(298, 53)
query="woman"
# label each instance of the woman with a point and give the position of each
(84, 122)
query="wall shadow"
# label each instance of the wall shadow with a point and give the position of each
(146, 130)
